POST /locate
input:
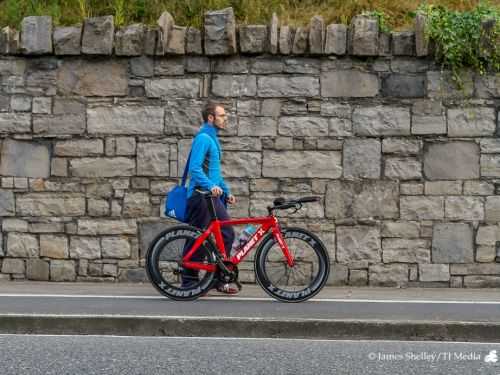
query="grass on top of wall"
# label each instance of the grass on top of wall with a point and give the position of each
(190, 12)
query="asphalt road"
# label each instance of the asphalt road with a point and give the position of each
(88, 355)
(483, 311)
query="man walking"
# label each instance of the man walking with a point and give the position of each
(205, 174)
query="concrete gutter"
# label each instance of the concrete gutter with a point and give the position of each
(248, 327)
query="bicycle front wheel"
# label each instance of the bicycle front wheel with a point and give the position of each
(164, 264)
(300, 282)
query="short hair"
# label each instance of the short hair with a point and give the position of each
(209, 109)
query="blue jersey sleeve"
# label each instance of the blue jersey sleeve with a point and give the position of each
(199, 150)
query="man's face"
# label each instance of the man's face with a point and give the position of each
(220, 118)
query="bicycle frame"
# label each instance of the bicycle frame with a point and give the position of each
(267, 223)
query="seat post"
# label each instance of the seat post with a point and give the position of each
(211, 206)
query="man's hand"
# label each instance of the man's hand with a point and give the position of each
(216, 191)
(231, 199)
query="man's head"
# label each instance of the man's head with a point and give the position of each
(214, 114)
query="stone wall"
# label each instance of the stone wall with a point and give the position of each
(406, 165)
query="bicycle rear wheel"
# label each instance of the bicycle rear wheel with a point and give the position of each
(164, 264)
(300, 282)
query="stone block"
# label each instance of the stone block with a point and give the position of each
(194, 44)
(153, 159)
(358, 277)
(136, 204)
(85, 248)
(478, 188)
(10, 41)
(129, 41)
(482, 282)
(440, 85)
(166, 23)
(253, 39)
(422, 208)
(7, 203)
(452, 243)
(406, 250)
(490, 165)
(471, 122)
(13, 266)
(362, 158)
(115, 248)
(15, 122)
(404, 86)
(98, 227)
(177, 41)
(92, 78)
(37, 269)
(274, 34)
(363, 36)
(257, 126)
(298, 126)
(151, 36)
(242, 164)
(421, 41)
(81, 147)
(50, 204)
(67, 40)
(487, 85)
(381, 120)
(102, 167)
(338, 275)
(36, 35)
(300, 41)
(269, 87)
(384, 44)
(302, 65)
(336, 39)
(403, 168)
(198, 64)
(349, 84)
(54, 246)
(362, 200)
(492, 209)
(358, 243)
(220, 32)
(172, 88)
(234, 86)
(22, 245)
(169, 66)
(285, 40)
(131, 120)
(98, 35)
(24, 159)
(403, 43)
(434, 272)
(302, 164)
(428, 125)
(443, 187)
(401, 229)
(485, 254)
(464, 208)
(451, 161)
(62, 270)
(401, 146)
(393, 275)
(317, 35)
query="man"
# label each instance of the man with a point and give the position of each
(205, 174)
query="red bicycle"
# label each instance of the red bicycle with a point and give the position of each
(291, 264)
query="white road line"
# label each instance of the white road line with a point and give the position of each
(255, 339)
(234, 298)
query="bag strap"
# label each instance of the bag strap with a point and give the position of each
(186, 168)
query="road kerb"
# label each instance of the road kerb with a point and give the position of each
(133, 325)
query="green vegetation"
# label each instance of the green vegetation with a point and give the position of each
(460, 40)
(396, 14)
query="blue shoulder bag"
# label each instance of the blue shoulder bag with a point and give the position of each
(176, 203)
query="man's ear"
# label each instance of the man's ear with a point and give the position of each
(211, 118)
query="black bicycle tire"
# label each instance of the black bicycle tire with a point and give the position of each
(152, 273)
(265, 283)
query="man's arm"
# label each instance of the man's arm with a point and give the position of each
(198, 176)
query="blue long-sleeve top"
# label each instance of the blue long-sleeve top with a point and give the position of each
(205, 170)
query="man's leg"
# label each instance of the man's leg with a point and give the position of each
(198, 216)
